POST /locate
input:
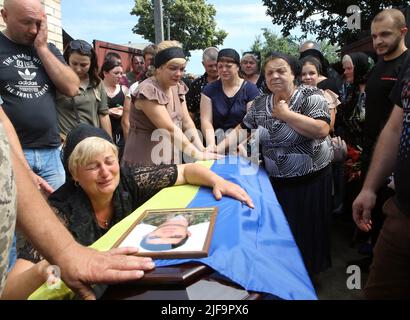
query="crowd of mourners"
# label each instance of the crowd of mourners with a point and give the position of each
(99, 141)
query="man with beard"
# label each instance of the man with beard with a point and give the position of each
(388, 30)
(389, 276)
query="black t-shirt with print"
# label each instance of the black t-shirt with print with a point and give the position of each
(378, 87)
(28, 94)
(400, 95)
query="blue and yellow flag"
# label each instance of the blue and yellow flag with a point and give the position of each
(252, 247)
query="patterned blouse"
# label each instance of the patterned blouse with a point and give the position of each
(286, 152)
(193, 97)
(72, 206)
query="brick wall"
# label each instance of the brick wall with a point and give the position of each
(53, 10)
(2, 25)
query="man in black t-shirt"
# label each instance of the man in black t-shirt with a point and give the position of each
(389, 276)
(388, 30)
(31, 70)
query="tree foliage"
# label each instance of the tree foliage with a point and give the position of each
(273, 42)
(290, 45)
(325, 18)
(192, 22)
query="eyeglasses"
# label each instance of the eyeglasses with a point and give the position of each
(80, 45)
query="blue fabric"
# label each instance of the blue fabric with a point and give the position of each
(12, 254)
(254, 248)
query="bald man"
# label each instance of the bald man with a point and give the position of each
(31, 70)
(309, 45)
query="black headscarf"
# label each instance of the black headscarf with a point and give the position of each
(74, 206)
(74, 137)
(362, 65)
(73, 202)
(292, 62)
(231, 54)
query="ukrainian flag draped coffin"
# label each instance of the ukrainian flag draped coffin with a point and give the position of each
(252, 247)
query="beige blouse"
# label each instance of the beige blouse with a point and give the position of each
(331, 98)
(145, 144)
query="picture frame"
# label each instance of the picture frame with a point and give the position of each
(171, 233)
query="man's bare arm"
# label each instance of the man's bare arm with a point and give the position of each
(63, 77)
(382, 165)
(385, 154)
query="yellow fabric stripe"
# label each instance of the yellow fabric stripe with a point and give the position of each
(172, 197)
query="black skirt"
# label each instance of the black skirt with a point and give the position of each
(307, 205)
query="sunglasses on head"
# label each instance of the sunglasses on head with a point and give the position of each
(80, 45)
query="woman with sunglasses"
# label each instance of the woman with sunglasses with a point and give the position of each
(90, 104)
(159, 115)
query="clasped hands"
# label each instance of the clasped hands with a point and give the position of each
(280, 109)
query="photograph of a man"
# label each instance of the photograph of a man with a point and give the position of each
(176, 231)
(169, 235)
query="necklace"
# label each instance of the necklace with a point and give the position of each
(104, 216)
(103, 223)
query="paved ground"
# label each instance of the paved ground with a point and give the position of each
(333, 282)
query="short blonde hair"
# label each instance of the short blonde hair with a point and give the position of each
(87, 150)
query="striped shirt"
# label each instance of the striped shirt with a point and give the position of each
(286, 152)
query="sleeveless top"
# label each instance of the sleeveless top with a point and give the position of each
(145, 144)
(116, 101)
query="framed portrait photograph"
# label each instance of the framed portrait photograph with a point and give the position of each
(171, 233)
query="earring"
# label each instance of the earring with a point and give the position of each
(76, 184)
